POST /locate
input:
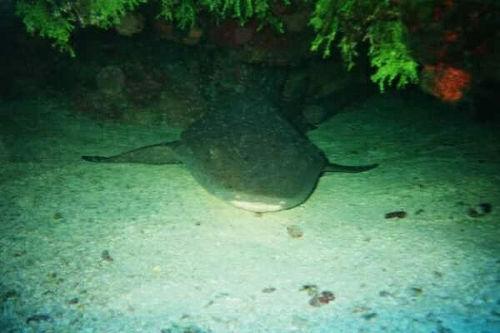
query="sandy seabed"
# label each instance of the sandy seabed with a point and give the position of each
(137, 248)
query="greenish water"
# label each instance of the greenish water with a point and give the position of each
(410, 246)
(137, 248)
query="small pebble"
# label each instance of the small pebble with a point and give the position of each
(268, 290)
(399, 214)
(314, 301)
(311, 289)
(416, 291)
(326, 297)
(369, 316)
(106, 256)
(323, 298)
(38, 318)
(19, 253)
(9, 294)
(73, 301)
(294, 231)
(437, 274)
(479, 210)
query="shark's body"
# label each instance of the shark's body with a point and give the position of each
(248, 156)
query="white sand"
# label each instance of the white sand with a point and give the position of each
(182, 261)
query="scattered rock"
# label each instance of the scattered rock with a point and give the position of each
(38, 318)
(9, 294)
(480, 210)
(311, 289)
(369, 316)
(416, 291)
(294, 231)
(443, 329)
(106, 256)
(19, 253)
(183, 329)
(54, 278)
(74, 301)
(437, 274)
(318, 298)
(268, 290)
(384, 293)
(322, 298)
(399, 214)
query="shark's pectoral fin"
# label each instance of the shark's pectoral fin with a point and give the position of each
(95, 158)
(332, 167)
(162, 153)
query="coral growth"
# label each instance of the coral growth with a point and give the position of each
(377, 22)
(445, 82)
(353, 20)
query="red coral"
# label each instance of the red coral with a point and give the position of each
(445, 82)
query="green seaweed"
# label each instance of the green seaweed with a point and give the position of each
(344, 23)
(377, 22)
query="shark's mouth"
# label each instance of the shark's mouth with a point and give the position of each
(256, 206)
